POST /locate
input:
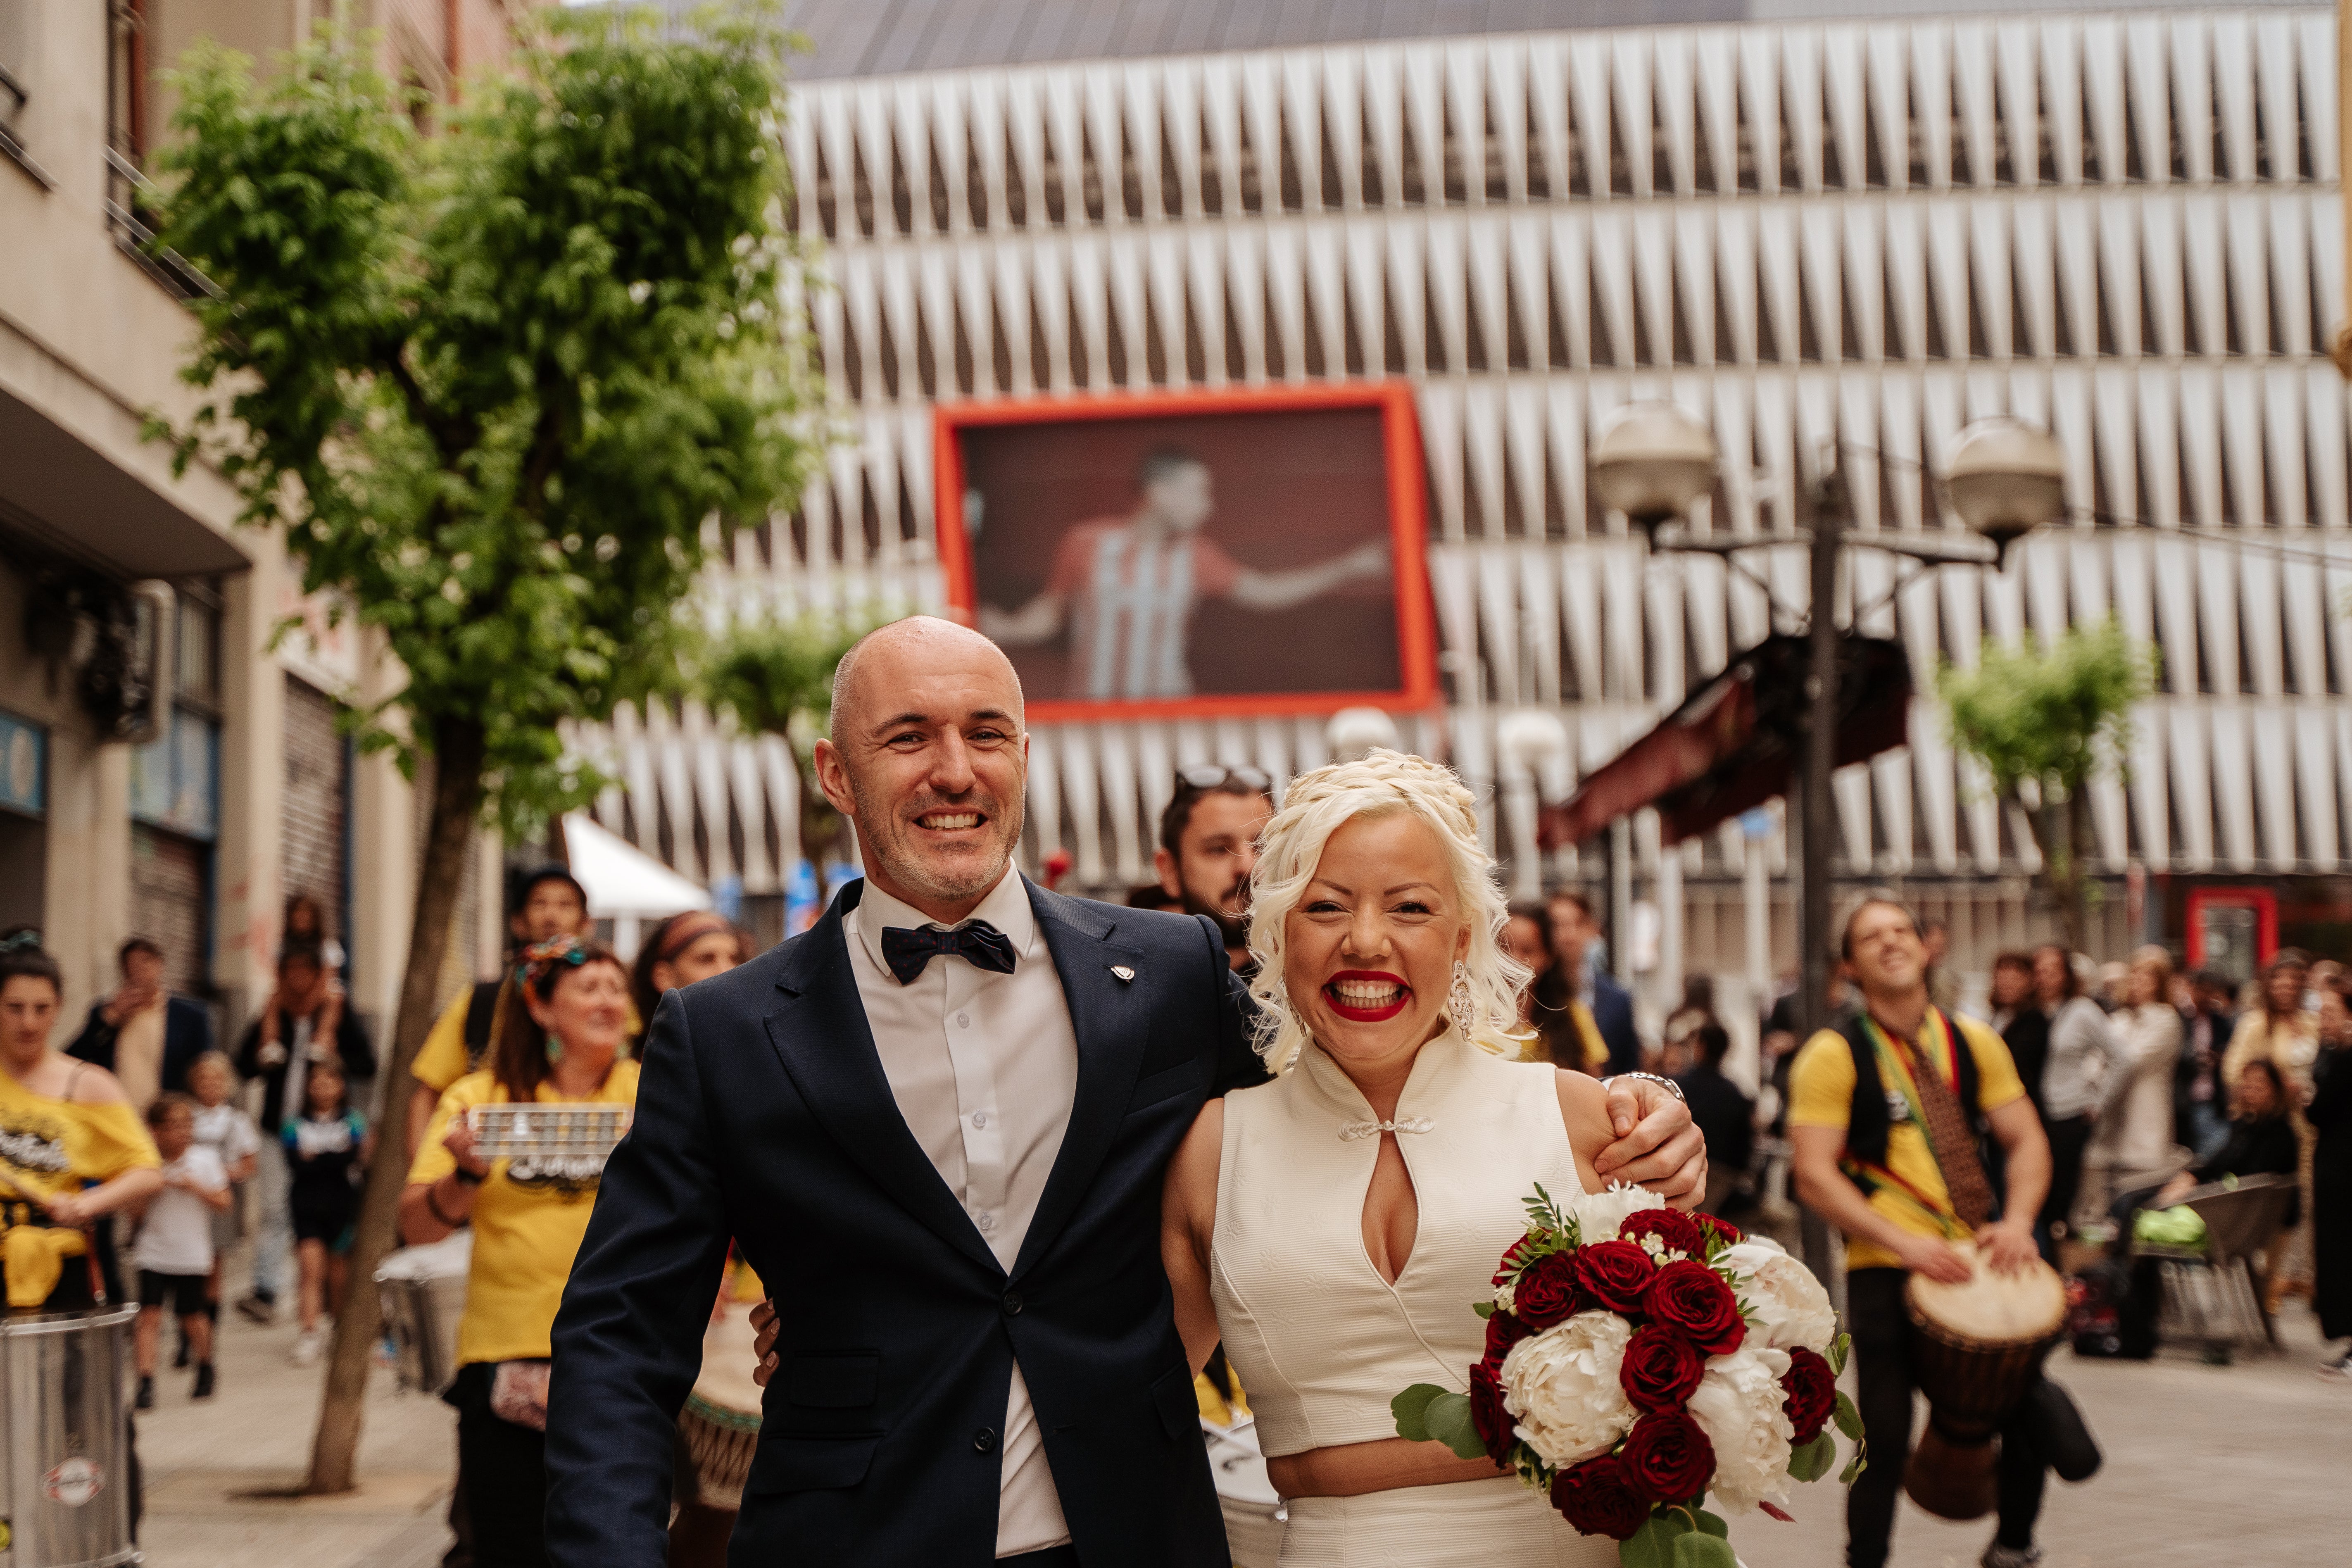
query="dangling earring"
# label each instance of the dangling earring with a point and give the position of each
(1460, 1005)
(554, 1049)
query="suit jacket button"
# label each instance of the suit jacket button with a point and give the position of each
(1012, 1303)
(984, 1440)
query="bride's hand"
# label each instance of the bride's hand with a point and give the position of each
(1657, 1147)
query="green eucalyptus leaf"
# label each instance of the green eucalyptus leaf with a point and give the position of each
(1410, 1409)
(1855, 1466)
(1812, 1461)
(1839, 1348)
(1447, 1420)
(1711, 1525)
(1848, 1419)
(1652, 1545)
(1484, 1309)
(1700, 1550)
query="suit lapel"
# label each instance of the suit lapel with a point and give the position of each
(1108, 1015)
(819, 1030)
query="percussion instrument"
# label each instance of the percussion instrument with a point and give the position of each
(721, 1422)
(546, 1134)
(423, 1294)
(1254, 1515)
(1977, 1351)
(65, 1483)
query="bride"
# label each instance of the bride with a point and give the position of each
(1333, 1227)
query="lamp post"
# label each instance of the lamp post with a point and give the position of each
(2004, 477)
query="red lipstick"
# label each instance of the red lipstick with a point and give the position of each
(1355, 1013)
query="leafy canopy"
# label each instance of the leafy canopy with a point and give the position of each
(493, 384)
(2056, 714)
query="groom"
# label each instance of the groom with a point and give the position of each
(936, 1123)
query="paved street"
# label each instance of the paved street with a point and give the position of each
(2202, 1463)
(205, 1465)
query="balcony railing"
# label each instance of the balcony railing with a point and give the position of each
(128, 214)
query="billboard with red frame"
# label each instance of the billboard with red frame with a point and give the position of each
(1228, 552)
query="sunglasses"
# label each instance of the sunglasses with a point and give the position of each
(1207, 776)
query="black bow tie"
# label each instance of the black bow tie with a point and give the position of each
(980, 943)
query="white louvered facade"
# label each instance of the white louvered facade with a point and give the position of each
(2125, 227)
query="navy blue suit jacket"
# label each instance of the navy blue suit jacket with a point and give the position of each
(187, 1035)
(764, 1114)
(1612, 1015)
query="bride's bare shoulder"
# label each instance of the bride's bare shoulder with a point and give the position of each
(1584, 1110)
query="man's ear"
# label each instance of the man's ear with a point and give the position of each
(833, 778)
(1171, 880)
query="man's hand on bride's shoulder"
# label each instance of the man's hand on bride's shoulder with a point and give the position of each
(1657, 1145)
(764, 1340)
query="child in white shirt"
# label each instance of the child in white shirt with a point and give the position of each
(175, 1251)
(225, 1128)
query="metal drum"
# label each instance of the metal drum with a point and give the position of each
(67, 1483)
(424, 1293)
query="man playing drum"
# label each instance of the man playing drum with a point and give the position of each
(1885, 1116)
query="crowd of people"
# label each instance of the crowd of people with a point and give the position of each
(2083, 1102)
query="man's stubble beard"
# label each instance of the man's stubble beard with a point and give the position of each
(1233, 930)
(915, 876)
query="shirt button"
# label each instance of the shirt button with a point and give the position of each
(980, 1119)
(984, 1440)
(963, 1020)
(1012, 1303)
(986, 1222)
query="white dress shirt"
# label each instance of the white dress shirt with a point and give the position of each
(984, 1068)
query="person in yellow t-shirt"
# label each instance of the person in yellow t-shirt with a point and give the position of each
(561, 1040)
(1886, 1117)
(72, 1150)
(553, 904)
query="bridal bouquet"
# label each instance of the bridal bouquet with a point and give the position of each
(1640, 1361)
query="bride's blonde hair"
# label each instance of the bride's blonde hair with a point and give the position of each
(1384, 784)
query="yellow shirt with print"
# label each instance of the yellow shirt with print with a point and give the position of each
(49, 1146)
(527, 1224)
(443, 1058)
(1821, 1094)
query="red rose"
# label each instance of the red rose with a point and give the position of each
(1667, 1458)
(1693, 1298)
(1547, 1293)
(1730, 1234)
(1675, 1230)
(1616, 1274)
(1594, 1497)
(1660, 1369)
(1503, 1332)
(1486, 1413)
(1812, 1394)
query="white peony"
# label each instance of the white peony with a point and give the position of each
(1738, 1407)
(1600, 1215)
(1786, 1305)
(1562, 1387)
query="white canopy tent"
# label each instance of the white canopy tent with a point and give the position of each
(625, 885)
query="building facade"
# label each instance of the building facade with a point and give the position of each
(165, 770)
(1858, 234)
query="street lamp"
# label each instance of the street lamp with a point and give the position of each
(2006, 478)
(1653, 462)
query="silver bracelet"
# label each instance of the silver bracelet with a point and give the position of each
(1669, 1085)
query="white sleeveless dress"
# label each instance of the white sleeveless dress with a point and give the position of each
(1322, 1343)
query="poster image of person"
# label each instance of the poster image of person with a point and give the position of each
(1125, 588)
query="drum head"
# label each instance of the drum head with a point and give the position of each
(1990, 1310)
(725, 1391)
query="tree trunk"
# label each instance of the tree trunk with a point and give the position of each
(2060, 827)
(457, 757)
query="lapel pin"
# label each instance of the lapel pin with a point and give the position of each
(1122, 971)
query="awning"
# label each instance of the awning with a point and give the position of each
(1735, 743)
(75, 501)
(622, 879)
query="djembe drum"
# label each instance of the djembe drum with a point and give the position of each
(1977, 1351)
(721, 1422)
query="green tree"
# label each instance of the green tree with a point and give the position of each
(491, 385)
(2046, 721)
(777, 675)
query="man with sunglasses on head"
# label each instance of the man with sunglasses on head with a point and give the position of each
(1208, 843)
